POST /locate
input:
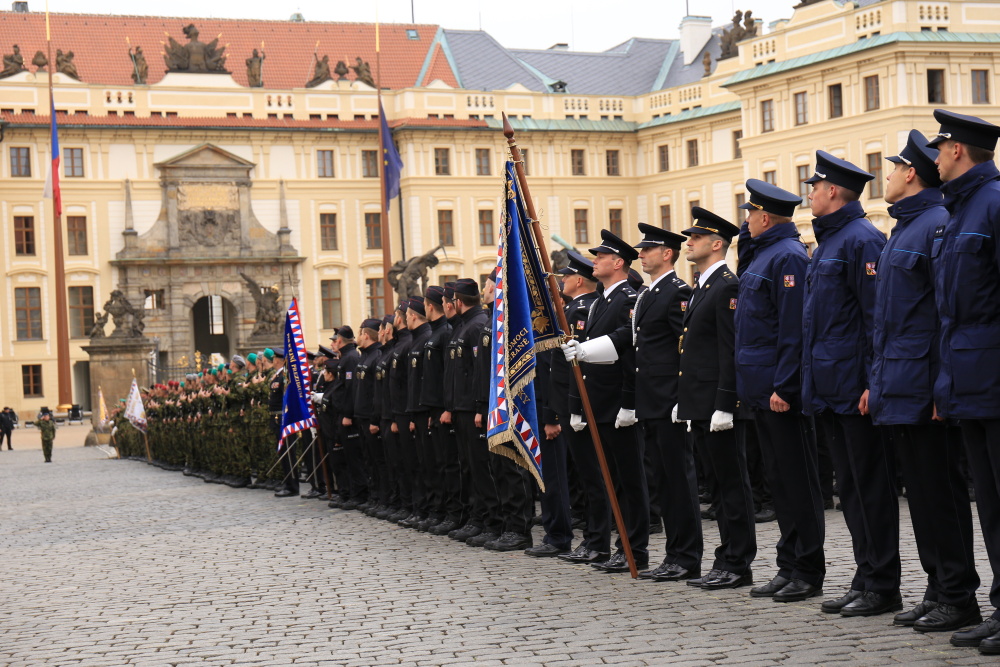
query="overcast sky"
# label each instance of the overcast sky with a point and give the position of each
(587, 25)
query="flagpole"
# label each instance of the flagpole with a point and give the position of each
(539, 242)
(62, 307)
(387, 298)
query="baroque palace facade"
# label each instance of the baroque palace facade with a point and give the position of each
(234, 172)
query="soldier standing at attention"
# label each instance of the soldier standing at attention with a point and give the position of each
(47, 429)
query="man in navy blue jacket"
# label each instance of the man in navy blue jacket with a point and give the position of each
(837, 321)
(967, 291)
(768, 360)
(901, 394)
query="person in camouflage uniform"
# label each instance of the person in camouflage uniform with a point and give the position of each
(47, 428)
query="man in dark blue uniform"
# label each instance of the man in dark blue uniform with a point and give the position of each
(657, 326)
(707, 397)
(608, 358)
(768, 358)
(383, 408)
(367, 417)
(967, 291)
(901, 398)
(423, 461)
(351, 463)
(836, 364)
(399, 366)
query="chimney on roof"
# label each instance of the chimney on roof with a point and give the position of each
(21, 7)
(297, 17)
(695, 33)
(559, 46)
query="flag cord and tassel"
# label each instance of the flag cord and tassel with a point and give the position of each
(539, 243)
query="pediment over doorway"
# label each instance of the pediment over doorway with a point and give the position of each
(205, 155)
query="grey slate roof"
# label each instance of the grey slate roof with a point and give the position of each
(483, 64)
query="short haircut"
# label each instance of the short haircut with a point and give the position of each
(467, 299)
(978, 154)
(725, 242)
(779, 219)
(372, 333)
(846, 194)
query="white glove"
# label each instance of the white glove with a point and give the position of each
(317, 397)
(573, 351)
(673, 416)
(576, 421)
(625, 418)
(721, 421)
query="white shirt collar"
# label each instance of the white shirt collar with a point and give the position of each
(609, 290)
(653, 284)
(709, 271)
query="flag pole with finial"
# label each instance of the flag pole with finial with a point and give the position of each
(388, 301)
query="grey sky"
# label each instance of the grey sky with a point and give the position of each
(587, 25)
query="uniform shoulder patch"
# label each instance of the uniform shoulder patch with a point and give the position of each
(870, 268)
(732, 304)
(790, 280)
(684, 306)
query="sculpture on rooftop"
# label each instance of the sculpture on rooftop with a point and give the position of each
(13, 63)
(341, 70)
(706, 61)
(195, 56)
(363, 72)
(140, 69)
(321, 71)
(749, 25)
(39, 61)
(744, 26)
(255, 69)
(65, 64)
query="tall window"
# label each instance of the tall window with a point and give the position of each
(329, 291)
(615, 221)
(741, 199)
(28, 312)
(578, 160)
(446, 229)
(935, 86)
(20, 161)
(483, 166)
(76, 234)
(835, 94)
(665, 216)
(73, 162)
(770, 177)
(580, 225)
(611, 158)
(980, 86)
(802, 173)
(692, 146)
(369, 164)
(691, 205)
(373, 290)
(737, 149)
(871, 93)
(767, 116)
(486, 236)
(31, 380)
(324, 164)
(801, 108)
(663, 152)
(328, 231)
(442, 161)
(524, 159)
(155, 299)
(81, 311)
(373, 230)
(875, 169)
(24, 235)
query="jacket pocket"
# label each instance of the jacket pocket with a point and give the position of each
(757, 356)
(835, 368)
(975, 358)
(906, 367)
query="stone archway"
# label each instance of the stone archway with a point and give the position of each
(213, 326)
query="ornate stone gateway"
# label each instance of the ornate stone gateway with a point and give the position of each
(207, 246)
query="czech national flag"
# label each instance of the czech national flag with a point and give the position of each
(52, 180)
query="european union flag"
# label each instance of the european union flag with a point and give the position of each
(392, 163)
(296, 410)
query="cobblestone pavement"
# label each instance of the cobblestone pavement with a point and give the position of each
(106, 562)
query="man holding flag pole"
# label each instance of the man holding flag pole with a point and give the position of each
(291, 385)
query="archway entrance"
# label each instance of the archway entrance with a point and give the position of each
(213, 320)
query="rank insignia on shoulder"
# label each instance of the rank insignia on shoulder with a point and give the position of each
(790, 280)
(362, 376)
(459, 353)
(413, 362)
(452, 353)
(684, 306)
(870, 268)
(428, 354)
(486, 341)
(732, 304)
(395, 362)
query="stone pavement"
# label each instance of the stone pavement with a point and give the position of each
(107, 562)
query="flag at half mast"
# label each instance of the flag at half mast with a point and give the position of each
(524, 323)
(296, 410)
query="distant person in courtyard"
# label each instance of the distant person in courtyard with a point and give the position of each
(6, 426)
(47, 428)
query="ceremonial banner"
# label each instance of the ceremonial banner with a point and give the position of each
(522, 324)
(134, 412)
(102, 409)
(296, 411)
(392, 164)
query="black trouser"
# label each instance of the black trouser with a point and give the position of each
(726, 463)
(5, 434)
(654, 477)
(390, 449)
(288, 456)
(866, 479)
(597, 532)
(410, 489)
(824, 460)
(556, 518)
(429, 498)
(677, 490)
(482, 496)
(755, 464)
(982, 443)
(375, 460)
(788, 448)
(514, 490)
(939, 510)
(448, 469)
(354, 460)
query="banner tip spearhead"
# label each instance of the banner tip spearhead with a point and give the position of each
(508, 131)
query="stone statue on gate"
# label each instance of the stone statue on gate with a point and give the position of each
(268, 316)
(127, 318)
(363, 72)
(100, 321)
(408, 277)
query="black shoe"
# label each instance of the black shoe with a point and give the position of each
(728, 580)
(410, 521)
(444, 527)
(770, 588)
(398, 516)
(465, 532)
(990, 645)
(873, 604)
(662, 568)
(384, 513)
(698, 582)
(349, 505)
(765, 515)
(365, 506)
(427, 524)
(312, 494)
(579, 524)
(677, 573)
(908, 618)
(285, 493)
(976, 635)
(335, 502)
(834, 606)
(536, 520)
(617, 563)
(948, 617)
(584, 555)
(545, 550)
(796, 591)
(828, 504)
(482, 538)
(509, 542)
(655, 528)
(709, 514)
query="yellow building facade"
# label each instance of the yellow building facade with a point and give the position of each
(850, 78)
